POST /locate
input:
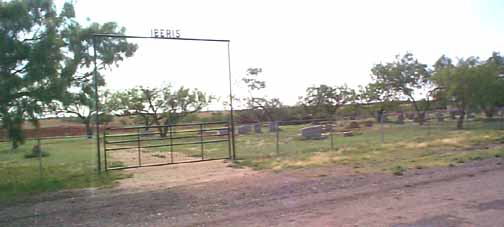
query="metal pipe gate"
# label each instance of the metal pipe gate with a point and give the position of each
(140, 138)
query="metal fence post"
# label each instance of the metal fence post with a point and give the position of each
(382, 136)
(138, 147)
(39, 157)
(201, 140)
(229, 140)
(501, 119)
(105, 149)
(277, 135)
(428, 125)
(332, 140)
(171, 143)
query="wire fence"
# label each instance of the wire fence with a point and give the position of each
(51, 163)
(270, 139)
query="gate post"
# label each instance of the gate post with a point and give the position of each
(229, 139)
(105, 149)
(171, 143)
(138, 148)
(201, 141)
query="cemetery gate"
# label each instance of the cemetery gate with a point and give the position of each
(141, 146)
(108, 134)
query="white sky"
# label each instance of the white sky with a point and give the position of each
(297, 43)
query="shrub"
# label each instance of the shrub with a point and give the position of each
(398, 170)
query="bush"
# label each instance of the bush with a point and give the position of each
(398, 170)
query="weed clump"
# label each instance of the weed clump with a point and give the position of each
(398, 170)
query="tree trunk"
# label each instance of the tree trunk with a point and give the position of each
(421, 118)
(89, 130)
(489, 111)
(460, 121)
(379, 115)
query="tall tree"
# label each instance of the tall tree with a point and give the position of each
(377, 100)
(161, 106)
(404, 77)
(263, 106)
(458, 83)
(109, 52)
(32, 68)
(490, 88)
(326, 100)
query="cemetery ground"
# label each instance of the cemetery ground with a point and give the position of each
(441, 168)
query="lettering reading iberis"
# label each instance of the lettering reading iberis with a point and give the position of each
(165, 33)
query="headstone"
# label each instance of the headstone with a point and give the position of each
(312, 132)
(222, 131)
(258, 128)
(353, 124)
(400, 118)
(328, 128)
(440, 117)
(411, 116)
(369, 123)
(348, 134)
(244, 129)
(273, 126)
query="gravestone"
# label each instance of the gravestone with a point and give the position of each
(348, 134)
(411, 116)
(353, 124)
(440, 117)
(258, 128)
(400, 118)
(273, 126)
(312, 132)
(244, 129)
(222, 131)
(327, 128)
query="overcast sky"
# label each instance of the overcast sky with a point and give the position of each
(297, 43)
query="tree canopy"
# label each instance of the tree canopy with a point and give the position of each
(43, 53)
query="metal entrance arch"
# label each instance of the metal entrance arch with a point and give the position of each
(232, 148)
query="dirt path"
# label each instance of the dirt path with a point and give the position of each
(162, 177)
(468, 195)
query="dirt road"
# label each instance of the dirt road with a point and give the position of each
(468, 195)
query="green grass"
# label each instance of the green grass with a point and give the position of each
(71, 164)
(408, 145)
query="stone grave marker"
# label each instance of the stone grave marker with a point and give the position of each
(244, 129)
(312, 132)
(274, 126)
(258, 128)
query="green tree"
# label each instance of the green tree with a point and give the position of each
(161, 106)
(490, 87)
(324, 100)
(404, 77)
(109, 52)
(377, 101)
(32, 57)
(264, 108)
(459, 83)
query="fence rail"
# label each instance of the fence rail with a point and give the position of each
(189, 134)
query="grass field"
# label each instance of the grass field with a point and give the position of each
(406, 146)
(72, 162)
